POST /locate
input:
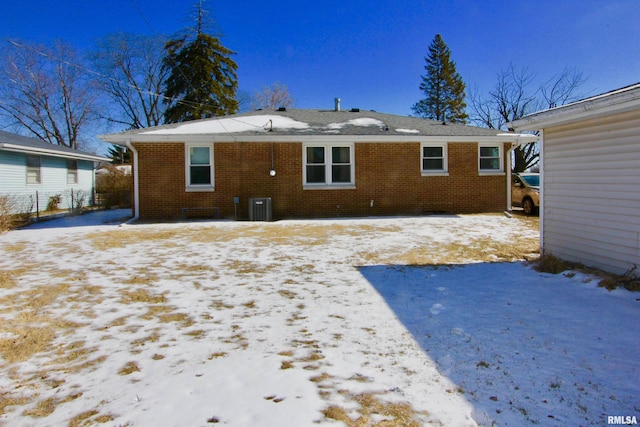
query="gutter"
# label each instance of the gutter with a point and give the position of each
(52, 153)
(136, 187)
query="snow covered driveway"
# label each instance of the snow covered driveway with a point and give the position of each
(410, 321)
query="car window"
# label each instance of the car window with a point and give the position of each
(532, 180)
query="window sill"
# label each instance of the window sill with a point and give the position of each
(204, 189)
(441, 173)
(329, 187)
(491, 173)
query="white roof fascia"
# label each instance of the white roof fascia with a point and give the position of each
(52, 153)
(618, 101)
(121, 140)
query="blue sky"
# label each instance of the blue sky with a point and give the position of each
(368, 53)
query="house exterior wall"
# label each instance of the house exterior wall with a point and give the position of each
(591, 201)
(53, 181)
(388, 181)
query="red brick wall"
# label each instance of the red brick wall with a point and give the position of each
(386, 173)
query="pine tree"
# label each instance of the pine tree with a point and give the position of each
(119, 154)
(202, 81)
(443, 87)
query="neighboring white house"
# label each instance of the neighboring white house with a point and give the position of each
(590, 157)
(33, 173)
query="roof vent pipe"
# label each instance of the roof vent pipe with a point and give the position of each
(337, 101)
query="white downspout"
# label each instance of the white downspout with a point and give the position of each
(542, 175)
(136, 187)
(508, 173)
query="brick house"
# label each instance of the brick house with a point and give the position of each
(318, 163)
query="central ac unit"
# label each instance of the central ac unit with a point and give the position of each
(260, 209)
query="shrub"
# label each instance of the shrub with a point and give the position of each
(76, 200)
(114, 187)
(53, 203)
(629, 280)
(14, 211)
(549, 263)
(6, 217)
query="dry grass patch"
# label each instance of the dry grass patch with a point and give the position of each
(141, 295)
(197, 334)
(39, 297)
(89, 418)
(477, 249)
(372, 408)
(549, 263)
(118, 239)
(15, 247)
(153, 337)
(219, 305)
(630, 280)
(71, 352)
(7, 400)
(245, 267)
(182, 318)
(129, 368)
(25, 342)
(44, 408)
(217, 355)
(286, 364)
(250, 304)
(7, 279)
(287, 294)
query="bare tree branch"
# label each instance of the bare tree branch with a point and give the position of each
(129, 71)
(273, 97)
(513, 97)
(45, 92)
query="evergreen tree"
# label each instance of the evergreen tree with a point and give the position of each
(202, 80)
(119, 154)
(443, 87)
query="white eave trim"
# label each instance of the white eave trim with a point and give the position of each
(52, 153)
(503, 137)
(619, 101)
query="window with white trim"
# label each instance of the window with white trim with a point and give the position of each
(490, 158)
(199, 167)
(33, 170)
(433, 158)
(72, 171)
(328, 165)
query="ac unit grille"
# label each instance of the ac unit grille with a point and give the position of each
(260, 209)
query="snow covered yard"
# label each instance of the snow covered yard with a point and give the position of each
(377, 321)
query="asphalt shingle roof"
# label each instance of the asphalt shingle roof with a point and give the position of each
(321, 122)
(33, 144)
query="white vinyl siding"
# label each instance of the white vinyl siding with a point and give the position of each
(53, 181)
(591, 182)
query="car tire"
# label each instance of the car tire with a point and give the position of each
(528, 206)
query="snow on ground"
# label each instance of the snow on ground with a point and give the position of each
(303, 323)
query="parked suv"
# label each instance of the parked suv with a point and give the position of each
(525, 191)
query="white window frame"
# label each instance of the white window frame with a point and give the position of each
(445, 159)
(187, 161)
(500, 170)
(328, 185)
(72, 173)
(33, 171)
